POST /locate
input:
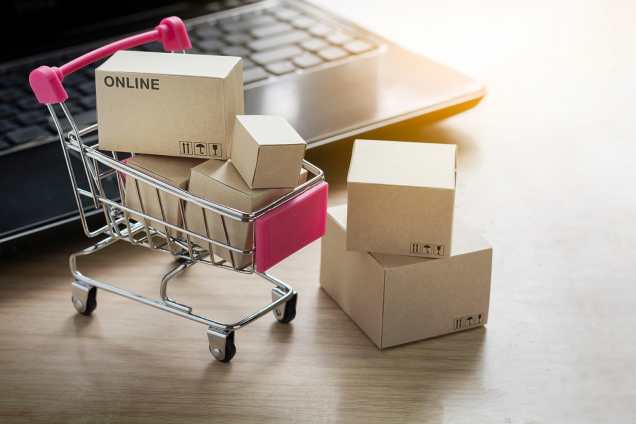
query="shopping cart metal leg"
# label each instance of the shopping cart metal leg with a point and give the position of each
(84, 297)
(222, 345)
(285, 312)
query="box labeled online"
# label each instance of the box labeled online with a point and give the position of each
(169, 104)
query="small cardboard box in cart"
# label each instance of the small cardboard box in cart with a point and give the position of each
(221, 183)
(174, 171)
(169, 104)
(399, 299)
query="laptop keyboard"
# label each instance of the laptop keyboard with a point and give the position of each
(274, 43)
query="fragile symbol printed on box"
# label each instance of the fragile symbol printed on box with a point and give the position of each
(467, 322)
(438, 250)
(215, 149)
(186, 148)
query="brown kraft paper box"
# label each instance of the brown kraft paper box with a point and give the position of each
(169, 104)
(401, 198)
(220, 182)
(174, 171)
(399, 299)
(267, 151)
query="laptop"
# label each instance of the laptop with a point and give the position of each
(330, 78)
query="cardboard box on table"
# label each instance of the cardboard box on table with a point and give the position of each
(267, 151)
(401, 198)
(169, 104)
(399, 299)
(220, 182)
(174, 171)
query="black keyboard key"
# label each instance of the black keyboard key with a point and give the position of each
(280, 68)
(154, 46)
(32, 117)
(269, 30)
(29, 102)
(210, 45)
(87, 87)
(26, 134)
(6, 125)
(89, 72)
(254, 74)
(277, 54)
(206, 31)
(10, 94)
(88, 102)
(332, 53)
(72, 107)
(245, 22)
(292, 37)
(11, 80)
(82, 120)
(4, 144)
(74, 79)
(235, 51)
(307, 60)
(7, 110)
(238, 37)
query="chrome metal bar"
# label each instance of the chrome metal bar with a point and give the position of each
(206, 321)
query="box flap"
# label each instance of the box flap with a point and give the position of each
(192, 65)
(403, 163)
(270, 130)
(169, 169)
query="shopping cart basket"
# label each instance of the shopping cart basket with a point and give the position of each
(277, 230)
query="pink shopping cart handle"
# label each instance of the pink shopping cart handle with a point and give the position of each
(46, 81)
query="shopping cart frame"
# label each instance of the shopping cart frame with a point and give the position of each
(119, 226)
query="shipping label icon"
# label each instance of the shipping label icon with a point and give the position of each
(186, 148)
(416, 248)
(215, 150)
(200, 149)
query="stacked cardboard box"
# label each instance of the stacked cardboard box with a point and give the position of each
(428, 272)
(182, 115)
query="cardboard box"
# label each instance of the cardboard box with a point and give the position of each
(169, 104)
(401, 198)
(174, 171)
(399, 299)
(267, 151)
(220, 182)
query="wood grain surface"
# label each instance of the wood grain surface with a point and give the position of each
(546, 175)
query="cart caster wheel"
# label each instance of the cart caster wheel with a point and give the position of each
(230, 347)
(289, 312)
(87, 307)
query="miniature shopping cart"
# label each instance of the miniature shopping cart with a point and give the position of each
(278, 230)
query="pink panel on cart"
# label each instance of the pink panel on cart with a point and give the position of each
(173, 34)
(290, 227)
(47, 84)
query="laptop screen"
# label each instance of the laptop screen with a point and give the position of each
(40, 26)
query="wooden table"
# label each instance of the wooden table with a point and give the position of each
(546, 175)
